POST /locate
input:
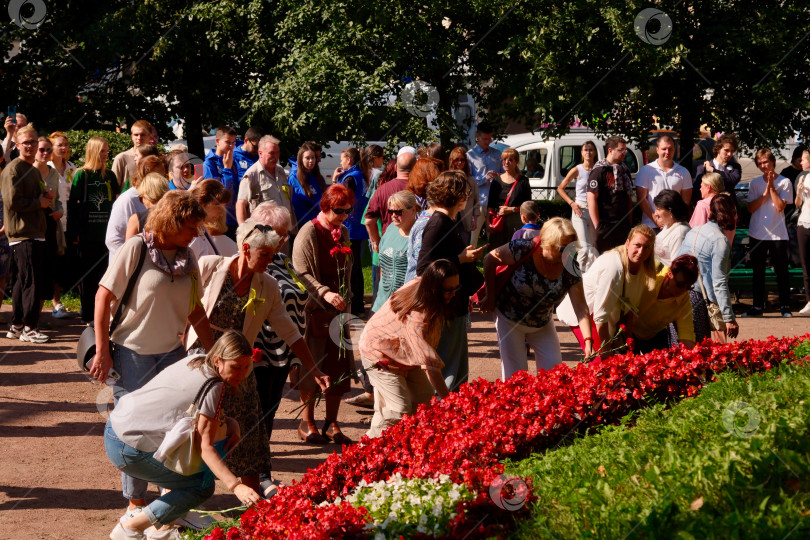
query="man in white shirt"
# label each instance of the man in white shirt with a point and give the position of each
(661, 174)
(264, 181)
(768, 195)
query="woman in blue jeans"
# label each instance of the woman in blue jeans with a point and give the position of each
(139, 424)
(166, 296)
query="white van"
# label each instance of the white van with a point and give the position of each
(555, 157)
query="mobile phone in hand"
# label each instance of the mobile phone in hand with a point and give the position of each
(198, 171)
(12, 113)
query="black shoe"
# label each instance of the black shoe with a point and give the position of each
(786, 312)
(753, 312)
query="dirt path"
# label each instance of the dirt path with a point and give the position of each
(55, 479)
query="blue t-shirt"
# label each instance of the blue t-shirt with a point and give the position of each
(306, 208)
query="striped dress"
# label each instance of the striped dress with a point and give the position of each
(294, 295)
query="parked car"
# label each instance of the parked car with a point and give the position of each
(551, 159)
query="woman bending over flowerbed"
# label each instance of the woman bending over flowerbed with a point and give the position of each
(398, 345)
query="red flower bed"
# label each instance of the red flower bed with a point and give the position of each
(467, 434)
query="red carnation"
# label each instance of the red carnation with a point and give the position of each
(257, 355)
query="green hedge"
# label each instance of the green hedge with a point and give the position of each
(694, 471)
(119, 142)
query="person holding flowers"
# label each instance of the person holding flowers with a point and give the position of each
(322, 257)
(239, 295)
(398, 345)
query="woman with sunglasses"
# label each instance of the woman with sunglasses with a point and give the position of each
(54, 234)
(508, 192)
(544, 272)
(240, 296)
(472, 211)
(322, 258)
(398, 345)
(402, 207)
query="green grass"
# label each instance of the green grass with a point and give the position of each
(683, 472)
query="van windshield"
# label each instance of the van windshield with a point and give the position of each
(533, 162)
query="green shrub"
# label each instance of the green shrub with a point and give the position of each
(694, 471)
(119, 142)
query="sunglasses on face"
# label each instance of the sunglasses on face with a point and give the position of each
(394, 212)
(45, 150)
(341, 211)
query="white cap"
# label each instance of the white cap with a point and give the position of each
(405, 149)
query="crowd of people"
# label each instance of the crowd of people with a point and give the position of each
(214, 290)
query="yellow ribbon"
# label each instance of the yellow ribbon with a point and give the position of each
(195, 295)
(294, 276)
(286, 191)
(109, 191)
(252, 301)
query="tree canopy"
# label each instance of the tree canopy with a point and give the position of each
(346, 69)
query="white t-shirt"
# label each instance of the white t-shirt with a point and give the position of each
(668, 242)
(603, 289)
(156, 313)
(143, 417)
(65, 183)
(581, 185)
(766, 222)
(803, 187)
(123, 207)
(655, 179)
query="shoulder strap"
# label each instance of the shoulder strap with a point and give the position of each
(700, 280)
(128, 292)
(535, 245)
(204, 389)
(211, 241)
(508, 195)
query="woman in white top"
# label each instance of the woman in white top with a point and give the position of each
(580, 218)
(803, 225)
(671, 214)
(141, 420)
(66, 170)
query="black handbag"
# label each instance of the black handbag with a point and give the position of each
(86, 348)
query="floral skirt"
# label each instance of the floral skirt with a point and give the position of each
(252, 455)
(700, 315)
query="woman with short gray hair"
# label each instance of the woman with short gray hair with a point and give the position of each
(239, 295)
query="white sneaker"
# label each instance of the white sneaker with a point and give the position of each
(805, 310)
(172, 533)
(33, 335)
(59, 312)
(131, 513)
(14, 332)
(122, 533)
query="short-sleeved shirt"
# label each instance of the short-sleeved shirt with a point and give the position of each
(378, 205)
(387, 338)
(393, 263)
(530, 298)
(159, 306)
(124, 167)
(258, 186)
(612, 184)
(766, 222)
(142, 418)
(655, 179)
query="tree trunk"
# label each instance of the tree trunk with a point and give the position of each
(444, 112)
(688, 112)
(193, 126)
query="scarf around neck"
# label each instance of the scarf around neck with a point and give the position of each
(182, 265)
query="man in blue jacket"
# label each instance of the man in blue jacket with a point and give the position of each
(219, 164)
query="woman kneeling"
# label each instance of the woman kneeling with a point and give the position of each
(141, 420)
(398, 345)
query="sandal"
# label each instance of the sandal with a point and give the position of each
(361, 400)
(312, 437)
(336, 435)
